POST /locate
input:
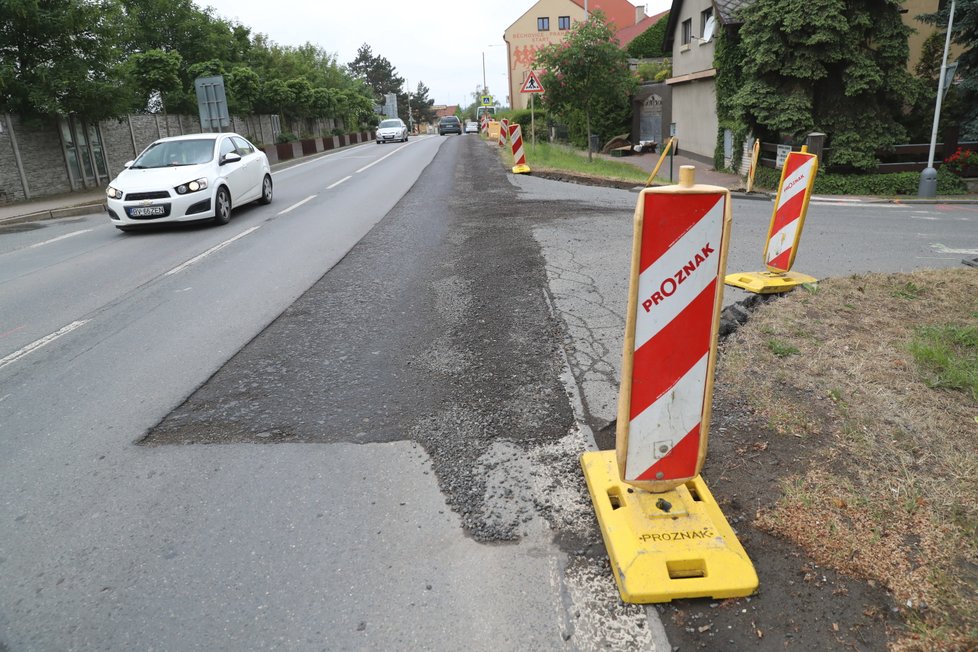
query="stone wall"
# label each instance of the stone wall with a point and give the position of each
(42, 154)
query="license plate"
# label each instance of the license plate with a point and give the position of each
(143, 211)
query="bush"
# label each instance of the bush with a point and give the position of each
(285, 137)
(655, 70)
(338, 132)
(961, 160)
(523, 117)
(878, 184)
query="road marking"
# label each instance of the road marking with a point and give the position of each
(370, 165)
(217, 247)
(339, 182)
(14, 330)
(297, 204)
(942, 249)
(60, 237)
(44, 341)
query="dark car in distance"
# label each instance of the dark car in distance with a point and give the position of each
(449, 125)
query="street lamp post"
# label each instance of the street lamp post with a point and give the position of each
(928, 178)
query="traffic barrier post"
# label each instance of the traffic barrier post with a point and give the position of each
(662, 157)
(504, 133)
(665, 533)
(519, 157)
(784, 231)
(755, 155)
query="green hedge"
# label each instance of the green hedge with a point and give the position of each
(880, 184)
(523, 117)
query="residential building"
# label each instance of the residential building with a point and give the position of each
(548, 22)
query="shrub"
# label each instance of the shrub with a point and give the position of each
(285, 137)
(523, 117)
(877, 184)
(960, 160)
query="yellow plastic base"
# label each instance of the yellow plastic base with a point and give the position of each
(768, 282)
(521, 169)
(689, 551)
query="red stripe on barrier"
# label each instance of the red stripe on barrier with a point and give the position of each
(680, 462)
(669, 355)
(781, 260)
(667, 218)
(789, 212)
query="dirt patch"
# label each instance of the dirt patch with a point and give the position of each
(850, 475)
(585, 179)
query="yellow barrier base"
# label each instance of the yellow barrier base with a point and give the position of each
(521, 169)
(664, 546)
(768, 282)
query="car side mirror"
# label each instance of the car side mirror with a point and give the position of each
(231, 157)
(128, 164)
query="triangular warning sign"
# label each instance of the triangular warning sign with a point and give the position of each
(532, 84)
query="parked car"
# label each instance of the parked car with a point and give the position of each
(189, 179)
(392, 130)
(471, 127)
(449, 125)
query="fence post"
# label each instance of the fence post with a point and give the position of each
(815, 143)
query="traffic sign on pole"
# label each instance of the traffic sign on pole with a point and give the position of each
(531, 84)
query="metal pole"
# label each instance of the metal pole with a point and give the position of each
(928, 178)
(483, 72)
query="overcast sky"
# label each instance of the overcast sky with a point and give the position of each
(441, 44)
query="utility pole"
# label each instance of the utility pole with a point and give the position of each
(928, 178)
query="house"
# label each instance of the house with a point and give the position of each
(548, 22)
(693, 74)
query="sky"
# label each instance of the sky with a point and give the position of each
(440, 44)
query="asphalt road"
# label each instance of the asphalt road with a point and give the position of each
(355, 426)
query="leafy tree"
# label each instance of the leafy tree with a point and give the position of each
(421, 105)
(834, 66)
(302, 98)
(156, 74)
(587, 79)
(377, 72)
(276, 96)
(650, 44)
(965, 34)
(61, 56)
(243, 87)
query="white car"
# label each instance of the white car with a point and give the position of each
(471, 127)
(392, 130)
(189, 179)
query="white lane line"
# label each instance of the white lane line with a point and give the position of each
(297, 204)
(943, 249)
(217, 247)
(60, 237)
(370, 165)
(35, 345)
(330, 187)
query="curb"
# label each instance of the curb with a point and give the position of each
(56, 213)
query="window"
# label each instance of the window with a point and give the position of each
(543, 24)
(705, 16)
(687, 31)
(563, 22)
(243, 146)
(226, 148)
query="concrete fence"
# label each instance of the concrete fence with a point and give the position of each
(40, 157)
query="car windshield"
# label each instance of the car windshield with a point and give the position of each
(176, 152)
(390, 124)
(449, 119)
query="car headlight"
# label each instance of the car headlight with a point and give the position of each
(193, 186)
(113, 193)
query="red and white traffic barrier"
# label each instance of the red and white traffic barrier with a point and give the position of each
(519, 158)
(665, 402)
(797, 179)
(503, 132)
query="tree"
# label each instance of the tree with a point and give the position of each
(60, 57)
(965, 34)
(650, 44)
(156, 74)
(421, 105)
(834, 66)
(587, 76)
(377, 72)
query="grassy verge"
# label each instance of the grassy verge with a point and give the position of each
(881, 372)
(547, 156)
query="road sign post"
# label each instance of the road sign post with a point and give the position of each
(665, 534)
(532, 86)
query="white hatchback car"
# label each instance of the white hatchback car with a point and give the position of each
(189, 179)
(392, 130)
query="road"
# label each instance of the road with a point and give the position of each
(354, 422)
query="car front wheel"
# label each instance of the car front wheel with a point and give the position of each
(222, 210)
(266, 190)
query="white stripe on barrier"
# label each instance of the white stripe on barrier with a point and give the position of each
(796, 183)
(667, 420)
(782, 241)
(668, 265)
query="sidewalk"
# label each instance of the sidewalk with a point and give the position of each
(704, 172)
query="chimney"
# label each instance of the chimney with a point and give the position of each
(639, 14)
